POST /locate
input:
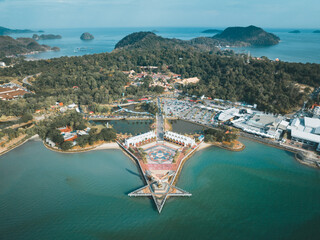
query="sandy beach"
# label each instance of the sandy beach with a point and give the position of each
(111, 145)
(204, 145)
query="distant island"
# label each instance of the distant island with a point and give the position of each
(295, 31)
(149, 40)
(212, 31)
(46, 36)
(7, 31)
(233, 36)
(10, 46)
(247, 36)
(87, 36)
(316, 31)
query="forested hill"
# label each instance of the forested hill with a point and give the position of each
(11, 46)
(271, 85)
(246, 36)
(149, 40)
(234, 36)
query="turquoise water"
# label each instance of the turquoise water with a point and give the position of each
(185, 127)
(302, 47)
(260, 193)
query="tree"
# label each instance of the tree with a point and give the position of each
(26, 117)
(108, 134)
(55, 136)
(66, 146)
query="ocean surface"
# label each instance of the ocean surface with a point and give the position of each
(260, 193)
(300, 47)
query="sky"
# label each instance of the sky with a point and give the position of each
(36, 14)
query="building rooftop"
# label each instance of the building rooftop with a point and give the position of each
(305, 135)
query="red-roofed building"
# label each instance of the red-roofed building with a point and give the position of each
(65, 129)
(70, 138)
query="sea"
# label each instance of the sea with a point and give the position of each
(294, 47)
(259, 193)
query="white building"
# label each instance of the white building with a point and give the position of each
(316, 111)
(179, 139)
(306, 130)
(50, 143)
(2, 64)
(264, 125)
(140, 139)
(228, 114)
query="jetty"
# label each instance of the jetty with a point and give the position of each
(160, 156)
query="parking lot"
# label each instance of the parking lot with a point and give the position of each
(191, 111)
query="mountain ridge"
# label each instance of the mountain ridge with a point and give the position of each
(11, 46)
(234, 36)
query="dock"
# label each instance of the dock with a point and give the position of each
(155, 158)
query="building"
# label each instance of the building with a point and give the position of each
(2, 64)
(179, 139)
(264, 125)
(69, 136)
(11, 93)
(306, 130)
(188, 81)
(64, 129)
(228, 115)
(316, 111)
(141, 139)
(50, 143)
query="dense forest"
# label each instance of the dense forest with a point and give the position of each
(99, 78)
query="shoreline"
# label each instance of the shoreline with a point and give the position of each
(202, 145)
(304, 161)
(113, 145)
(103, 146)
(18, 144)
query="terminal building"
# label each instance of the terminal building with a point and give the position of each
(306, 130)
(139, 140)
(264, 125)
(179, 139)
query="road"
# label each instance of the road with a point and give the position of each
(25, 80)
(160, 123)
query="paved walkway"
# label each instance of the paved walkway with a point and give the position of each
(160, 123)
